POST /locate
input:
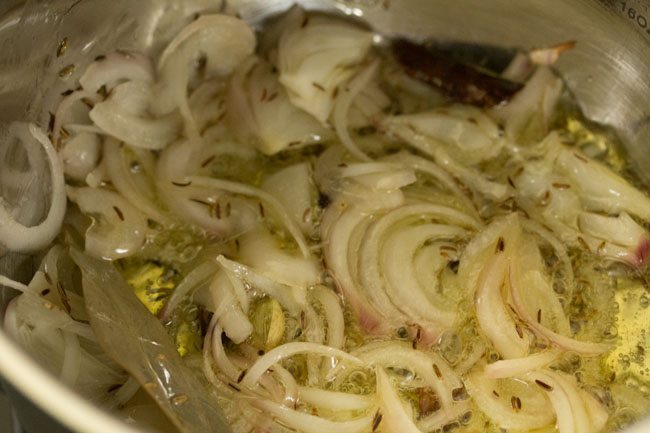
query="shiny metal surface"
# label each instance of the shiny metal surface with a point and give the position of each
(608, 70)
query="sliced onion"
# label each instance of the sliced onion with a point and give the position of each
(561, 341)
(126, 183)
(80, 155)
(429, 369)
(396, 259)
(223, 41)
(492, 314)
(121, 229)
(262, 251)
(291, 298)
(315, 59)
(228, 311)
(260, 112)
(71, 359)
(394, 417)
(432, 169)
(116, 67)
(219, 353)
(342, 107)
(337, 229)
(70, 109)
(600, 188)
(287, 350)
(8, 282)
(310, 423)
(500, 407)
(276, 206)
(17, 237)
(333, 400)
(331, 305)
(124, 116)
(294, 188)
(576, 411)
(518, 366)
(528, 114)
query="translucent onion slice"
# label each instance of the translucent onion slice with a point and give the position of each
(80, 155)
(333, 400)
(8, 282)
(293, 186)
(315, 59)
(528, 113)
(393, 416)
(124, 180)
(331, 305)
(432, 169)
(429, 369)
(262, 251)
(577, 411)
(220, 357)
(342, 107)
(466, 131)
(276, 206)
(310, 423)
(198, 276)
(287, 350)
(260, 112)
(222, 42)
(396, 259)
(509, 403)
(600, 188)
(124, 116)
(228, 311)
(291, 298)
(561, 341)
(518, 366)
(500, 328)
(337, 228)
(116, 67)
(17, 237)
(71, 109)
(120, 229)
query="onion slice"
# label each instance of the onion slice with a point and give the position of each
(14, 235)
(287, 350)
(561, 341)
(307, 423)
(515, 367)
(394, 417)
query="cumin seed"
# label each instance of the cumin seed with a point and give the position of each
(543, 385)
(516, 403)
(66, 71)
(318, 86)
(208, 161)
(241, 376)
(501, 244)
(182, 184)
(520, 333)
(376, 420)
(62, 47)
(119, 213)
(436, 370)
(580, 157)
